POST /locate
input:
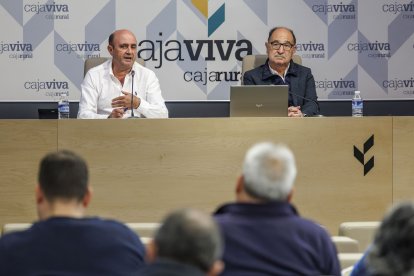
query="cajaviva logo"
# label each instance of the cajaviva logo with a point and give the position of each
(339, 11)
(397, 83)
(215, 20)
(38, 85)
(405, 9)
(82, 50)
(396, 7)
(15, 47)
(17, 50)
(311, 49)
(51, 10)
(74, 47)
(174, 50)
(374, 49)
(334, 8)
(335, 84)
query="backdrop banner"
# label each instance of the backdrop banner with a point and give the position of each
(196, 47)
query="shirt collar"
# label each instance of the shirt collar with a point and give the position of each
(267, 73)
(109, 64)
(274, 72)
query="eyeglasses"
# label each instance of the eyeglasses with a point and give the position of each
(277, 45)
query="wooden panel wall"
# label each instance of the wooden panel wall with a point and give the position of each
(141, 169)
(22, 144)
(403, 158)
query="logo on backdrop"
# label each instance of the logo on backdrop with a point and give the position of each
(16, 50)
(360, 155)
(190, 50)
(406, 10)
(215, 20)
(49, 87)
(84, 47)
(372, 49)
(337, 85)
(338, 11)
(50, 10)
(342, 87)
(311, 49)
(194, 59)
(193, 56)
(406, 86)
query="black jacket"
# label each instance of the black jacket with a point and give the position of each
(301, 83)
(166, 267)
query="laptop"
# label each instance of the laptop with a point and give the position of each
(47, 113)
(259, 101)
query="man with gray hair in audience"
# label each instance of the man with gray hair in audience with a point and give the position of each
(263, 233)
(187, 243)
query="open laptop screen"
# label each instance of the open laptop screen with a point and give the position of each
(259, 101)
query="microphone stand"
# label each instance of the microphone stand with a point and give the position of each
(310, 100)
(132, 96)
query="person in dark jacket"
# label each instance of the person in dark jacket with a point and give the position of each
(187, 243)
(263, 233)
(391, 252)
(280, 69)
(64, 241)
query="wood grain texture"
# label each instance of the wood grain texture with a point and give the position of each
(22, 144)
(403, 137)
(142, 169)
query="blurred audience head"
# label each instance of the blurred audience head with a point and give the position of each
(269, 172)
(392, 252)
(63, 180)
(190, 237)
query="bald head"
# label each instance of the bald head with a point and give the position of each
(290, 31)
(122, 46)
(117, 33)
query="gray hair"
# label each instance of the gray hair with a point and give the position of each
(190, 236)
(269, 171)
(393, 249)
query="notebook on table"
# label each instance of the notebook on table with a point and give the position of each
(259, 101)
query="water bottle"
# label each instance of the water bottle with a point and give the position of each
(63, 106)
(357, 105)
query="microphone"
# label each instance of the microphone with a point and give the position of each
(132, 94)
(310, 100)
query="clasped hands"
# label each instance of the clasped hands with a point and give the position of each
(294, 111)
(122, 103)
